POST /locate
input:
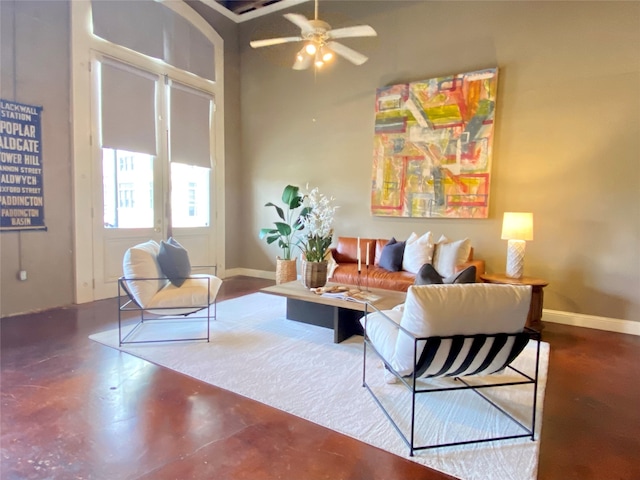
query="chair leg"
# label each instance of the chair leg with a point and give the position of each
(209, 323)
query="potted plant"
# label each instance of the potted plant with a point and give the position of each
(318, 222)
(286, 232)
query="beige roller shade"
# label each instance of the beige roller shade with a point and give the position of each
(190, 126)
(128, 109)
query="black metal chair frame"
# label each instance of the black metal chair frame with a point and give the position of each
(126, 303)
(411, 382)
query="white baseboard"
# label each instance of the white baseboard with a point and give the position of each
(590, 321)
(554, 316)
(249, 272)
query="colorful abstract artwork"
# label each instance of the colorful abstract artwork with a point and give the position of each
(433, 147)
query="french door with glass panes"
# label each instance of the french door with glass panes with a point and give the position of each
(152, 151)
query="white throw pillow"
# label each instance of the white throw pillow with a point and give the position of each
(417, 252)
(331, 264)
(449, 254)
(141, 261)
(458, 309)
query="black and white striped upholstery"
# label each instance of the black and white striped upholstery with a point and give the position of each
(460, 356)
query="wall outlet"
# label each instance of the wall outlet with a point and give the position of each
(22, 275)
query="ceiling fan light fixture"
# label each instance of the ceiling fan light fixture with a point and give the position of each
(301, 54)
(319, 45)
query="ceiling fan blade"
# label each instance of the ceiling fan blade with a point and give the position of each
(273, 41)
(348, 53)
(301, 21)
(355, 31)
(302, 62)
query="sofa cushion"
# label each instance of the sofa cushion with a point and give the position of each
(448, 254)
(374, 277)
(174, 261)
(417, 252)
(460, 309)
(346, 250)
(141, 261)
(391, 257)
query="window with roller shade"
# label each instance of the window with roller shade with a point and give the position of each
(128, 142)
(129, 108)
(170, 42)
(191, 112)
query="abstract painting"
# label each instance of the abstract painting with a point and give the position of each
(433, 147)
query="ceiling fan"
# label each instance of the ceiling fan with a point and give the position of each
(319, 41)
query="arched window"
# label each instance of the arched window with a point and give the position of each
(148, 96)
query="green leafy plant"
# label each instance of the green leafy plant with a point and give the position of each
(291, 221)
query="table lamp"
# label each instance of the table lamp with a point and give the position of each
(517, 227)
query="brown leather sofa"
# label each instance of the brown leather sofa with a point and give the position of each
(345, 253)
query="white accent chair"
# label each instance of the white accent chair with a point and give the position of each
(147, 292)
(454, 331)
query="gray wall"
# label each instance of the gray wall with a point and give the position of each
(567, 143)
(34, 69)
(228, 30)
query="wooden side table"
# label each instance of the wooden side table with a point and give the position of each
(537, 295)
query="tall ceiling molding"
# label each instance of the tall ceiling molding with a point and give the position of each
(252, 8)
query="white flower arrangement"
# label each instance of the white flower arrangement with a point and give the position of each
(319, 225)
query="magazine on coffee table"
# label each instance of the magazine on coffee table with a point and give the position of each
(348, 294)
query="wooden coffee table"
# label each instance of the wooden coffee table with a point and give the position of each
(340, 315)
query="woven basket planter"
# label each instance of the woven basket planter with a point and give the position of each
(285, 271)
(314, 274)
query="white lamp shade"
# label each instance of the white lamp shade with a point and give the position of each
(517, 226)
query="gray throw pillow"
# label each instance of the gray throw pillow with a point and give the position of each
(468, 275)
(427, 275)
(391, 255)
(174, 261)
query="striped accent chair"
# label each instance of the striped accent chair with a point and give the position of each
(455, 331)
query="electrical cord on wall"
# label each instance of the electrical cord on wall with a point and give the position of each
(14, 63)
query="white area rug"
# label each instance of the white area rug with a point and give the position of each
(256, 352)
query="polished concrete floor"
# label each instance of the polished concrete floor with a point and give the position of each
(74, 409)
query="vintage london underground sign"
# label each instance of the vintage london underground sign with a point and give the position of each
(21, 179)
